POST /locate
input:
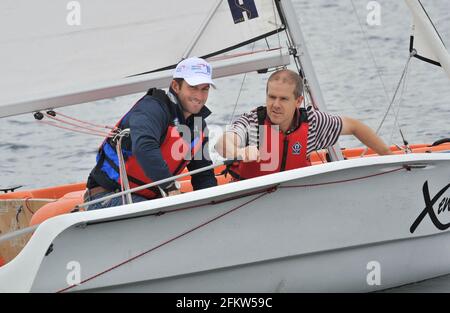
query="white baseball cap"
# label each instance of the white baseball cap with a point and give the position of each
(194, 71)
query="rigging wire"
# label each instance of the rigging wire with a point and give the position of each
(370, 52)
(396, 123)
(237, 99)
(395, 93)
(402, 79)
(394, 97)
(239, 93)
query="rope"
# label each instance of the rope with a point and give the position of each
(85, 122)
(27, 205)
(124, 184)
(76, 130)
(344, 180)
(73, 124)
(18, 211)
(78, 127)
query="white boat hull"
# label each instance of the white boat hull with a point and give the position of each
(291, 239)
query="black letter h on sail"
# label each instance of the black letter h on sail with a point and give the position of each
(238, 9)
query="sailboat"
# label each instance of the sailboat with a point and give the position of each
(377, 216)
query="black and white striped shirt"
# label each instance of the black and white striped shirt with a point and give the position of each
(323, 129)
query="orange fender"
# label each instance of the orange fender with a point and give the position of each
(68, 202)
(46, 193)
(64, 205)
(17, 195)
(221, 180)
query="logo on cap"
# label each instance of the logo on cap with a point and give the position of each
(195, 71)
(201, 69)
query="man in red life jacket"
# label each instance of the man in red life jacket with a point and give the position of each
(167, 134)
(281, 135)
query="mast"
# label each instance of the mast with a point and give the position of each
(301, 53)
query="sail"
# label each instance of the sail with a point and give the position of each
(52, 48)
(425, 41)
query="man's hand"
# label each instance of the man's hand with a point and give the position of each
(228, 146)
(249, 154)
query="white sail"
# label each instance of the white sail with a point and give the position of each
(42, 55)
(425, 41)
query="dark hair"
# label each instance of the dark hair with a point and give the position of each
(289, 77)
(179, 81)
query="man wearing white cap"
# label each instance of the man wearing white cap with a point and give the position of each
(197, 74)
(167, 134)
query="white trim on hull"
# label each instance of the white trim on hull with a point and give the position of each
(305, 225)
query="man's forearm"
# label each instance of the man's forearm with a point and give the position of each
(227, 145)
(368, 137)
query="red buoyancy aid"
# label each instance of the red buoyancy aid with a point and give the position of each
(175, 151)
(278, 151)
